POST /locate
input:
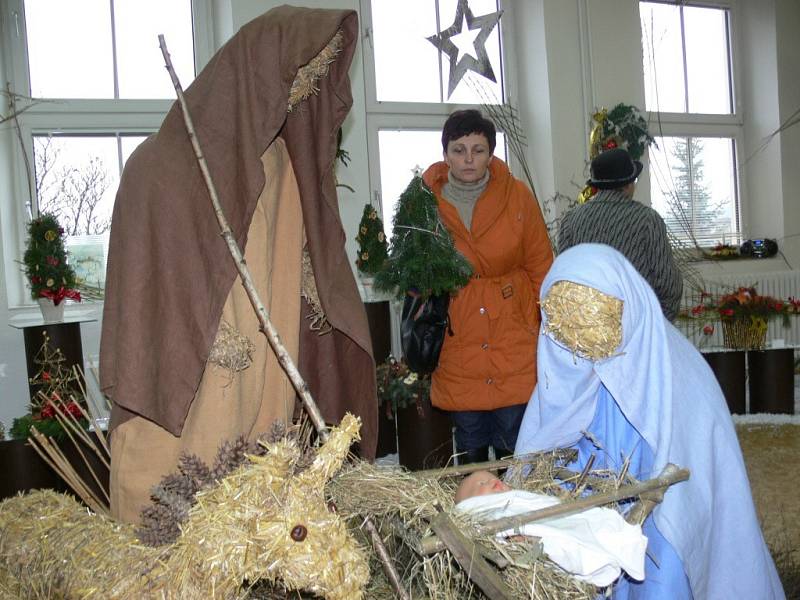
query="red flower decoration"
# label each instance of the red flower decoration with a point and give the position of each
(45, 376)
(52, 261)
(74, 410)
(726, 312)
(708, 329)
(48, 412)
(59, 295)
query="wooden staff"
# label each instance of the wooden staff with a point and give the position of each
(266, 326)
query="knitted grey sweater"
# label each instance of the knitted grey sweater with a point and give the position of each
(634, 229)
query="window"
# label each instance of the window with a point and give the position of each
(418, 73)
(97, 75)
(410, 92)
(689, 92)
(694, 186)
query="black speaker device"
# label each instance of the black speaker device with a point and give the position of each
(759, 248)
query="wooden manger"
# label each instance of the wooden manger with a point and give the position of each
(441, 554)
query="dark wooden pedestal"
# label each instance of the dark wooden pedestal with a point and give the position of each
(380, 333)
(771, 375)
(729, 368)
(22, 469)
(425, 439)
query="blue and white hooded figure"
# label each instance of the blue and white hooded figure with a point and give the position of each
(642, 392)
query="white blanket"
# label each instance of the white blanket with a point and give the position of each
(594, 545)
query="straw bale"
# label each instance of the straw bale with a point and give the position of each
(51, 546)
(241, 530)
(584, 319)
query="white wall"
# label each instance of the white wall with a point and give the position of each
(572, 56)
(788, 71)
(13, 382)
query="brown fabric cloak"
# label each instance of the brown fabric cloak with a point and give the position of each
(169, 270)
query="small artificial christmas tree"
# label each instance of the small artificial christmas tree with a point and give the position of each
(372, 244)
(45, 262)
(423, 256)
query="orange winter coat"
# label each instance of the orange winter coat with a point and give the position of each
(490, 360)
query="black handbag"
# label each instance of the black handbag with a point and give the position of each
(422, 328)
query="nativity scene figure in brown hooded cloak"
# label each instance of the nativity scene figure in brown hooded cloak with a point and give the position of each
(181, 355)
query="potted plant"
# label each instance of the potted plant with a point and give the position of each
(743, 314)
(58, 404)
(50, 277)
(56, 392)
(424, 433)
(372, 251)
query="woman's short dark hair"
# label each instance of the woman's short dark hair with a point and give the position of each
(464, 122)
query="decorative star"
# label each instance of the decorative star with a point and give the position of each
(459, 66)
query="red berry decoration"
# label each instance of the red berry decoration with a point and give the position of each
(611, 144)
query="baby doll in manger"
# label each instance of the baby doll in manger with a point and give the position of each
(595, 545)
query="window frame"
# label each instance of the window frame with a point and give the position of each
(686, 124)
(67, 116)
(419, 115)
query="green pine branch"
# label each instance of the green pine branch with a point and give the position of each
(423, 256)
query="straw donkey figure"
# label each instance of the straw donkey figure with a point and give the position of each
(267, 521)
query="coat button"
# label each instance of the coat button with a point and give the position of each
(482, 310)
(490, 381)
(484, 346)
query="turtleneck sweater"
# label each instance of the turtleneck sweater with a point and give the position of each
(464, 195)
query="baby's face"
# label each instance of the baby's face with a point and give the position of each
(480, 483)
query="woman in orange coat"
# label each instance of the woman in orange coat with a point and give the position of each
(487, 368)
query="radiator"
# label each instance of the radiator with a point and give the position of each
(780, 285)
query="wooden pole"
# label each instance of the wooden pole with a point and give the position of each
(669, 476)
(495, 465)
(267, 327)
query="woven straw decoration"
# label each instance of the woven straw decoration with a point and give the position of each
(586, 321)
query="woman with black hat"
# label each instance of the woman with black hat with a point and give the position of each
(614, 218)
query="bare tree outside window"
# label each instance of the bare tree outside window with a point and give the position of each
(73, 191)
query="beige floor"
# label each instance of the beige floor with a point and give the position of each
(771, 453)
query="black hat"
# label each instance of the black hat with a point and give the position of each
(613, 169)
